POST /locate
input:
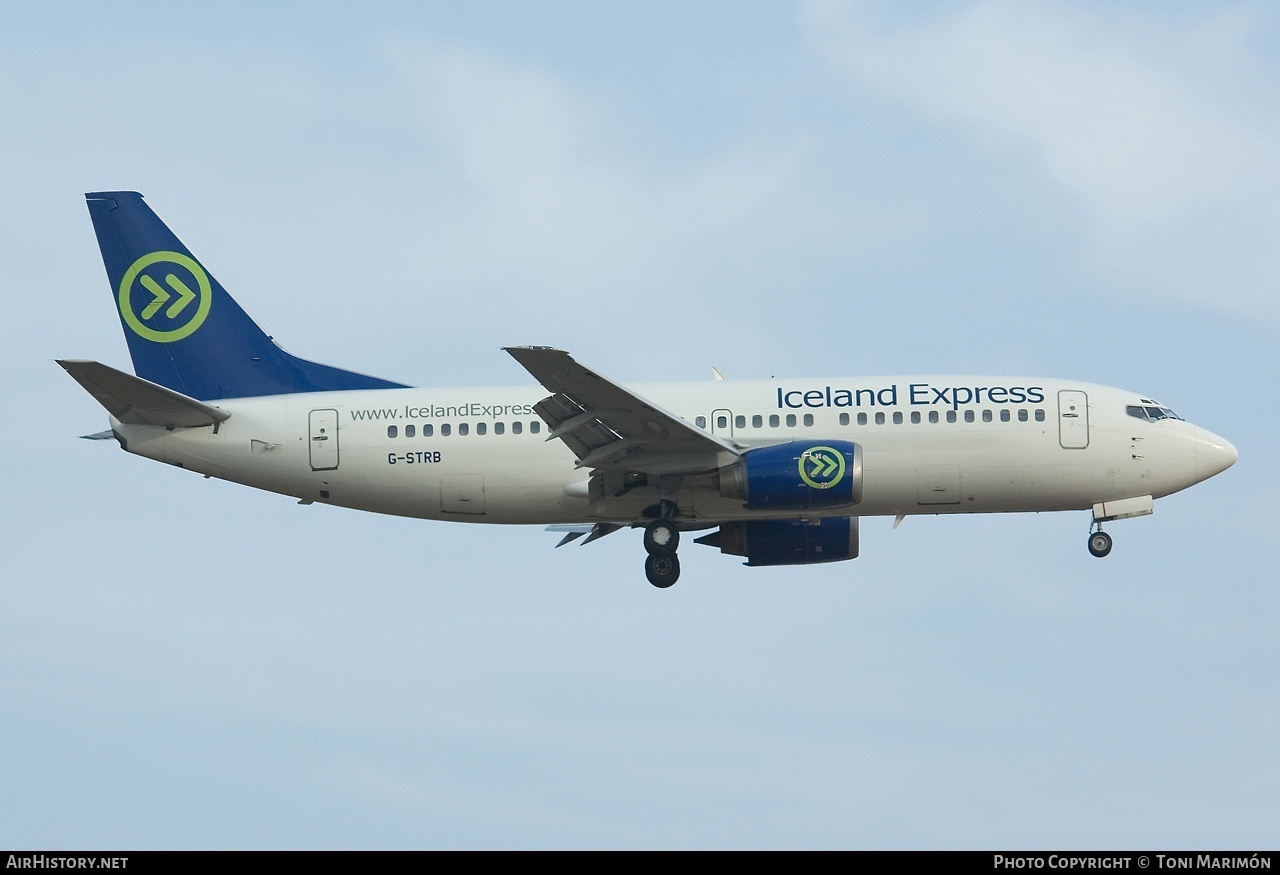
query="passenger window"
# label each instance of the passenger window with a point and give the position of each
(1022, 415)
(915, 416)
(408, 431)
(1039, 415)
(862, 419)
(986, 416)
(879, 419)
(739, 422)
(392, 431)
(933, 416)
(774, 421)
(499, 427)
(722, 422)
(968, 416)
(951, 416)
(445, 430)
(808, 419)
(791, 420)
(897, 417)
(844, 419)
(427, 430)
(757, 421)
(481, 428)
(1004, 415)
(463, 429)
(517, 427)
(700, 421)
(535, 427)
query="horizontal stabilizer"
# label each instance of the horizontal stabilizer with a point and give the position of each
(136, 401)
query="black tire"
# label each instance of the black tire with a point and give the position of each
(1099, 544)
(661, 537)
(662, 569)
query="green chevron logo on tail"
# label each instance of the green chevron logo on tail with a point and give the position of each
(150, 275)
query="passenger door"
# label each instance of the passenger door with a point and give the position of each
(1073, 420)
(324, 439)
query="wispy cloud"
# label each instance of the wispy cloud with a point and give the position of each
(558, 186)
(1163, 131)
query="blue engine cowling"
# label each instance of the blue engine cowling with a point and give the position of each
(788, 542)
(798, 475)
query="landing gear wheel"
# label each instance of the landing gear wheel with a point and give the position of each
(661, 537)
(662, 569)
(1099, 544)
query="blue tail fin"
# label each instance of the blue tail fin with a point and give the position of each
(184, 331)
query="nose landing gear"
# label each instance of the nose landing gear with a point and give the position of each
(1099, 542)
(1117, 509)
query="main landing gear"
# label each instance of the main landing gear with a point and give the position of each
(662, 569)
(661, 538)
(1099, 541)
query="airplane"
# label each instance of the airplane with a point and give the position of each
(776, 471)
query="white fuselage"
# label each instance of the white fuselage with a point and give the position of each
(931, 444)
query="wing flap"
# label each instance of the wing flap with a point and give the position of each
(608, 426)
(136, 401)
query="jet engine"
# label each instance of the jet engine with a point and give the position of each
(797, 475)
(788, 542)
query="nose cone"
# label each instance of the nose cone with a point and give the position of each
(1213, 454)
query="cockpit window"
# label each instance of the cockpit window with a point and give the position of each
(1151, 412)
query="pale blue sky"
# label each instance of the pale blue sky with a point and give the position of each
(1082, 190)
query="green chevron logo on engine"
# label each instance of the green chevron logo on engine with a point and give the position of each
(821, 467)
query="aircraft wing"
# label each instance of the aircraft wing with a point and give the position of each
(607, 426)
(140, 402)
